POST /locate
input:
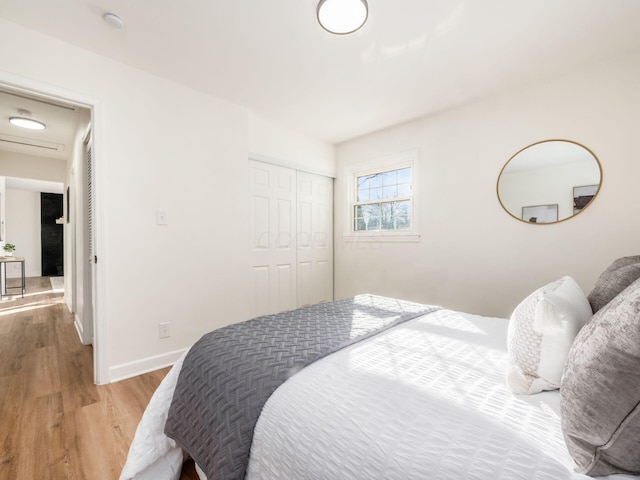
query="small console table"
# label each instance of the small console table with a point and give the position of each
(3, 269)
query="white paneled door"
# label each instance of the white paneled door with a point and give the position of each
(314, 238)
(291, 238)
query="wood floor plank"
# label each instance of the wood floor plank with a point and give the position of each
(6, 323)
(54, 422)
(26, 448)
(76, 380)
(7, 467)
(42, 453)
(42, 372)
(11, 395)
(86, 428)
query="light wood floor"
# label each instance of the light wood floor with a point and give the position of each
(54, 422)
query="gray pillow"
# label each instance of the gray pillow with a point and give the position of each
(618, 276)
(600, 390)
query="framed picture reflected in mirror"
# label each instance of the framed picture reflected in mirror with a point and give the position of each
(582, 196)
(540, 213)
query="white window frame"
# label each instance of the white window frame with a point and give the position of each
(385, 164)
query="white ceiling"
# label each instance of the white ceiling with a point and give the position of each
(55, 141)
(413, 57)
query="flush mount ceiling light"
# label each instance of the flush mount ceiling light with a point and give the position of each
(113, 20)
(25, 122)
(342, 16)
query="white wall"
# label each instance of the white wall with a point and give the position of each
(22, 227)
(276, 143)
(472, 255)
(3, 199)
(161, 146)
(27, 166)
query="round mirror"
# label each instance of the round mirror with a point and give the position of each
(549, 181)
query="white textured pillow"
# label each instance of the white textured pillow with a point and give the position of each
(541, 331)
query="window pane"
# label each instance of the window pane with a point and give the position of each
(404, 210)
(404, 190)
(375, 194)
(371, 216)
(399, 217)
(363, 182)
(373, 223)
(386, 219)
(375, 180)
(404, 175)
(369, 181)
(402, 223)
(390, 178)
(369, 211)
(363, 194)
(389, 192)
(367, 217)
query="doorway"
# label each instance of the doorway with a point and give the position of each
(73, 264)
(51, 234)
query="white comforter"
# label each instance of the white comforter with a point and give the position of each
(423, 400)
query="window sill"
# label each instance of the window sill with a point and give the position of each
(382, 238)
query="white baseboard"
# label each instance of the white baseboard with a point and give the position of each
(144, 365)
(79, 329)
(68, 304)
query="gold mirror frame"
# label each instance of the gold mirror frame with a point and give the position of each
(597, 161)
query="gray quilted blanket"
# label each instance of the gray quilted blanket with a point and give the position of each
(230, 373)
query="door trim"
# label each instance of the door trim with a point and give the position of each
(26, 85)
(257, 157)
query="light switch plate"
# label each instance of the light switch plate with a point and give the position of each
(164, 330)
(162, 217)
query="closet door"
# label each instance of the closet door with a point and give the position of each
(314, 238)
(273, 252)
(291, 238)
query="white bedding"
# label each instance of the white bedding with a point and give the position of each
(424, 400)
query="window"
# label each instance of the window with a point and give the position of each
(382, 199)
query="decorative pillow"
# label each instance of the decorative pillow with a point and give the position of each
(618, 276)
(600, 394)
(541, 331)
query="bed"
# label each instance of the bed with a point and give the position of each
(425, 398)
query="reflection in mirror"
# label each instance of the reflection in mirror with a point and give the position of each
(549, 181)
